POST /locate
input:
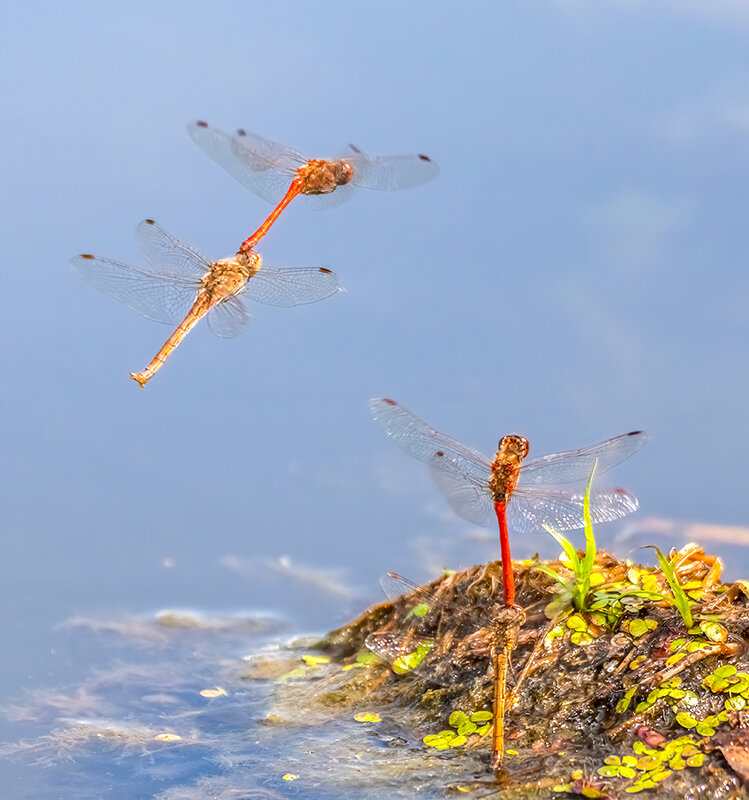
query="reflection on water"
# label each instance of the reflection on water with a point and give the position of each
(187, 707)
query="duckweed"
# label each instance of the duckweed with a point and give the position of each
(367, 716)
(464, 725)
(408, 662)
(648, 767)
(362, 660)
(639, 627)
(315, 660)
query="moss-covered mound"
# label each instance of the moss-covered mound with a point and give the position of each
(643, 689)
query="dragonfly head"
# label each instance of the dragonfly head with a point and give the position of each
(512, 447)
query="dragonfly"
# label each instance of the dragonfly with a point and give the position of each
(181, 285)
(536, 493)
(278, 174)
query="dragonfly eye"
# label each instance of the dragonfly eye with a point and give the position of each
(345, 173)
(514, 444)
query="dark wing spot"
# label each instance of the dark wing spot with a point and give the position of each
(619, 490)
(201, 124)
(326, 270)
(355, 148)
(439, 453)
(424, 158)
(389, 401)
(241, 132)
(150, 222)
(87, 255)
(635, 433)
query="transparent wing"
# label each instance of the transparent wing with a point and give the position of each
(391, 646)
(291, 287)
(467, 496)
(162, 298)
(391, 172)
(228, 318)
(424, 442)
(264, 167)
(395, 586)
(531, 507)
(573, 466)
(169, 254)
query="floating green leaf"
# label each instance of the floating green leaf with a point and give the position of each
(457, 718)
(623, 704)
(367, 716)
(315, 660)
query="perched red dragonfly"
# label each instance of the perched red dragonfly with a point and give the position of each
(278, 174)
(535, 493)
(182, 285)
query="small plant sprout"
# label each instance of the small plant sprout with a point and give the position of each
(576, 589)
(680, 599)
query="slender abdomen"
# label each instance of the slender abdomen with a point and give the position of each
(198, 310)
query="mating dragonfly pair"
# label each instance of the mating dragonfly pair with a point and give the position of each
(181, 285)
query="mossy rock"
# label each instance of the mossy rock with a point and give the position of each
(616, 699)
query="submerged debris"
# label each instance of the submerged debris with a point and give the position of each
(644, 687)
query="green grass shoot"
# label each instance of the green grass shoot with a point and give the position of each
(680, 599)
(578, 588)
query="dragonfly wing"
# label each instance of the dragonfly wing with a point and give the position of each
(169, 254)
(162, 298)
(573, 466)
(228, 318)
(291, 287)
(424, 442)
(468, 497)
(562, 509)
(391, 172)
(390, 646)
(395, 586)
(264, 167)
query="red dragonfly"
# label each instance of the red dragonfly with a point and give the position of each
(182, 285)
(278, 174)
(535, 493)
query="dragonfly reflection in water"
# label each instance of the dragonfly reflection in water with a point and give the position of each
(277, 173)
(461, 634)
(535, 493)
(182, 285)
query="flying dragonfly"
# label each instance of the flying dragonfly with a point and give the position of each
(181, 285)
(535, 492)
(278, 174)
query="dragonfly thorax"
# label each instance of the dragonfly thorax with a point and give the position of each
(322, 177)
(511, 451)
(229, 275)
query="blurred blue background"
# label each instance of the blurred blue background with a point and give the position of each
(577, 270)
